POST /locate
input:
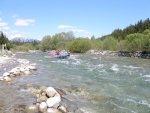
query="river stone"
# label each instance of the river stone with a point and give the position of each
(43, 88)
(32, 109)
(50, 91)
(22, 69)
(42, 98)
(43, 107)
(6, 74)
(53, 102)
(1, 78)
(62, 109)
(27, 72)
(12, 75)
(2, 103)
(7, 79)
(19, 108)
(31, 67)
(52, 110)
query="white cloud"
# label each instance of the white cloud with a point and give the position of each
(77, 30)
(2, 24)
(0, 19)
(14, 31)
(80, 32)
(6, 28)
(65, 27)
(24, 22)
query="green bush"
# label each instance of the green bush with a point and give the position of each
(138, 42)
(109, 43)
(79, 45)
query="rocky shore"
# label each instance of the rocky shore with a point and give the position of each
(140, 54)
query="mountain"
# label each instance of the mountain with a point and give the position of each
(21, 39)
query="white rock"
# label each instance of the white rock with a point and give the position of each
(7, 79)
(50, 91)
(43, 107)
(14, 70)
(27, 72)
(53, 102)
(27, 69)
(1, 78)
(22, 69)
(33, 64)
(6, 74)
(57, 95)
(63, 109)
(32, 109)
(12, 75)
(31, 67)
(51, 110)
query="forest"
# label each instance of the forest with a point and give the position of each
(131, 39)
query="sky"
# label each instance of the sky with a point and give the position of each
(34, 19)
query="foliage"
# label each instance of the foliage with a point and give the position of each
(140, 27)
(79, 45)
(109, 43)
(96, 44)
(24, 47)
(58, 41)
(138, 42)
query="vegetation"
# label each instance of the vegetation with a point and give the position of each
(132, 38)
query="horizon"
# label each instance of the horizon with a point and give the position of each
(36, 19)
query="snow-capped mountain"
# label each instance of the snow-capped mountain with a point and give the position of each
(21, 39)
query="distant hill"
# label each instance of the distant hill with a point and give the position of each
(23, 40)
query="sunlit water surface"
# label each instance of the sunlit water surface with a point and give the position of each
(111, 84)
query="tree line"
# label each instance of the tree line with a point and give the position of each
(132, 38)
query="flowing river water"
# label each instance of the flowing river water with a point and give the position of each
(108, 84)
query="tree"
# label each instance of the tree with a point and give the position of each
(3, 39)
(79, 45)
(93, 37)
(109, 43)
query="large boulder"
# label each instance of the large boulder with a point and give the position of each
(50, 91)
(53, 102)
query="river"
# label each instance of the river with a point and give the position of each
(108, 84)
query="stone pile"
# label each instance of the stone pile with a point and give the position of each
(23, 69)
(48, 100)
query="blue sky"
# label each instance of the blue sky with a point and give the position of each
(35, 19)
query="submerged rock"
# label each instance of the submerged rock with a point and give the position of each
(2, 103)
(32, 109)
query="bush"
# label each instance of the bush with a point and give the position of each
(138, 42)
(79, 45)
(109, 43)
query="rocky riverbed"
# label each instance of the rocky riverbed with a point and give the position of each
(46, 98)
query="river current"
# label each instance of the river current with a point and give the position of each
(109, 84)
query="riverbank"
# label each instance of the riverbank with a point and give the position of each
(138, 54)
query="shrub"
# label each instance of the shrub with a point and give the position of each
(79, 45)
